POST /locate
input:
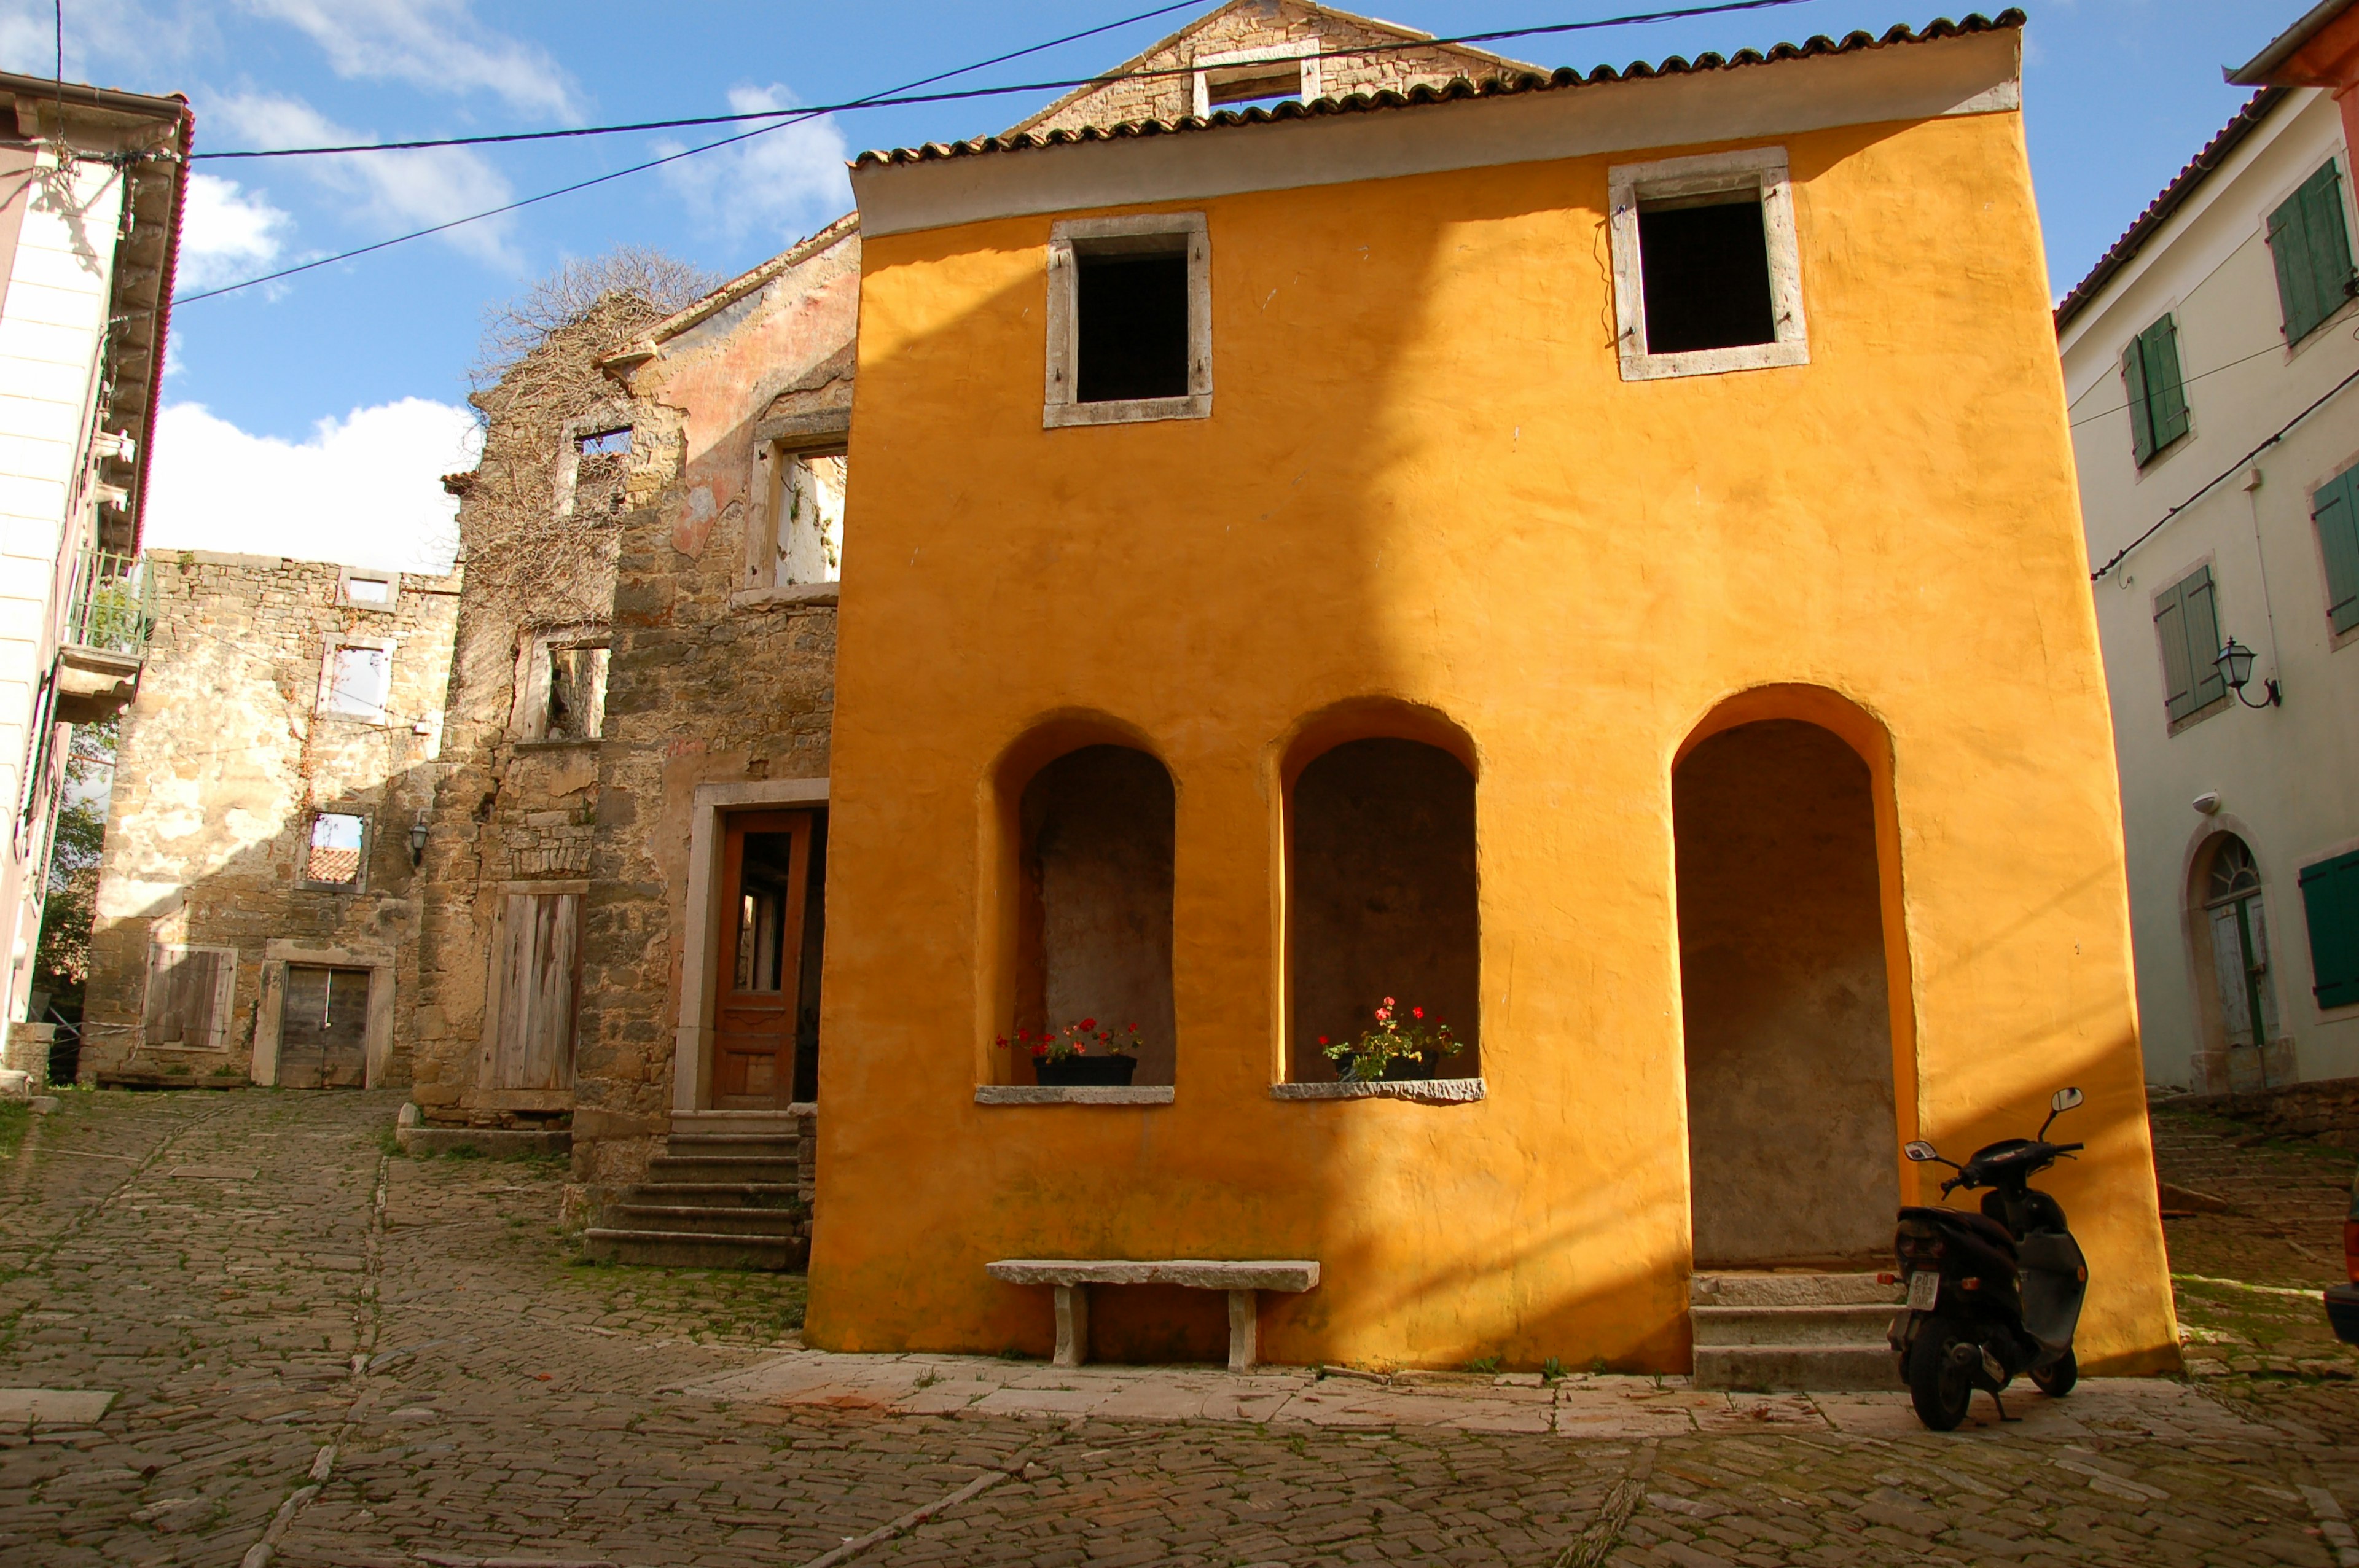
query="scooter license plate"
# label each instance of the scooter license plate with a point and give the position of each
(1924, 1290)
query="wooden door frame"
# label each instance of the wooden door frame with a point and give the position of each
(703, 924)
(377, 1046)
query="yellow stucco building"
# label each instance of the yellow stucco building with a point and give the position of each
(1597, 558)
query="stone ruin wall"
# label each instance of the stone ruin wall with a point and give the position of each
(1258, 24)
(537, 529)
(711, 682)
(221, 762)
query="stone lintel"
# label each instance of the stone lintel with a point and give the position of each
(1431, 1091)
(1051, 1094)
(1290, 1274)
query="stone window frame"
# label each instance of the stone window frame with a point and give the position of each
(528, 709)
(392, 581)
(777, 442)
(359, 883)
(1304, 50)
(614, 414)
(337, 642)
(1060, 407)
(1763, 169)
(224, 993)
(700, 962)
(376, 1039)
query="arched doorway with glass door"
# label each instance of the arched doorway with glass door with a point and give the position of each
(2240, 1048)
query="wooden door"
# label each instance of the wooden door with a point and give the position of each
(323, 1028)
(540, 976)
(765, 877)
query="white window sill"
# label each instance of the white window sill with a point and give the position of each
(800, 593)
(1431, 1091)
(1637, 366)
(1134, 411)
(1047, 1093)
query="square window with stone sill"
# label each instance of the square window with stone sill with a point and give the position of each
(1129, 320)
(1706, 269)
(333, 851)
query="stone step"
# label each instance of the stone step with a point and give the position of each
(719, 1194)
(734, 1169)
(687, 1249)
(1791, 1325)
(753, 1123)
(1814, 1369)
(698, 1220)
(1784, 1287)
(777, 1146)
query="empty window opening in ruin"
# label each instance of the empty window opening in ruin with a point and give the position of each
(808, 543)
(601, 464)
(1132, 332)
(1705, 260)
(359, 680)
(577, 693)
(369, 592)
(1381, 903)
(1094, 924)
(331, 856)
(1262, 76)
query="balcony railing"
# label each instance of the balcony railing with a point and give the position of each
(113, 607)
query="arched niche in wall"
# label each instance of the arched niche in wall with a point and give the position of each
(1381, 895)
(1094, 887)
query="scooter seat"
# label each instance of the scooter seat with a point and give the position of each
(1981, 1227)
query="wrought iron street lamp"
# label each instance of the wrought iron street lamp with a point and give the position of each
(2235, 662)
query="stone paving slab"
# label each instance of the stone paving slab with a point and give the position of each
(356, 1357)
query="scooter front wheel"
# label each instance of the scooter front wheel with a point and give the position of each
(2056, 1379)
(1940, 1384)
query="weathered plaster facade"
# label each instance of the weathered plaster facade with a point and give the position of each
(238, 741)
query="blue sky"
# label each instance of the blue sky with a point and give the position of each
(356, 370)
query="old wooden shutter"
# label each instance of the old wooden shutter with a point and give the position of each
(182, 986)
(2335, 506)
(2166, 393)
(540, 971)
(2187, 622)
(2329, 898)
(2312, 248)
(2141, 411)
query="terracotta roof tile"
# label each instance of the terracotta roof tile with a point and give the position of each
(2173, 196)
(1457, 89)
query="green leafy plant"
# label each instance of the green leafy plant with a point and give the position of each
(1083, 1039)
(1393, 1039)
(1552, 1370)
(1486, 1365)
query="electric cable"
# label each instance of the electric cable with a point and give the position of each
(894, 97)
(888, 96)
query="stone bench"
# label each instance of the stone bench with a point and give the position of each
(1073, 1278)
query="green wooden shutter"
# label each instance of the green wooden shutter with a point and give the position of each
(2141, 410)
(2203, 636)
(2166, 393)
(2335, 506)
(2187, 623)
(2329, 898)
(2312, 247)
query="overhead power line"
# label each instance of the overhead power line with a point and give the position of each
(895, 97)
(904, 94)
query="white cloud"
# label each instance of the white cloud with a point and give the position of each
(366, 489)
(227, 233)
(786, 182)
(410, 189)
(121, 33)
(434, 44)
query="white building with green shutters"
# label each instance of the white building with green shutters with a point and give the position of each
(2211, 359)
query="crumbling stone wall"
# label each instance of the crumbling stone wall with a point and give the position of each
(712, 681)
(223, 761)
(541, 523)
(1260, 24)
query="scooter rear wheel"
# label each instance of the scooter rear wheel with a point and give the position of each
(2056, 1379)
(1939, 1386)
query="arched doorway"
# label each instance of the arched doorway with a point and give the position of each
(1792, 1139)
(2241, 1006)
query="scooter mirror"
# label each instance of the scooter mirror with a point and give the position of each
(2065, 1100)
(1920, 1151)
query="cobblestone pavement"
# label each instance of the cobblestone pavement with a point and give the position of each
(318, 1352)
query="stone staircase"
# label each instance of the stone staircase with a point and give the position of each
(1789, 1329)
(730, 1190)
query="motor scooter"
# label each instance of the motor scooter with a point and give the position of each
(1994, 1295)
